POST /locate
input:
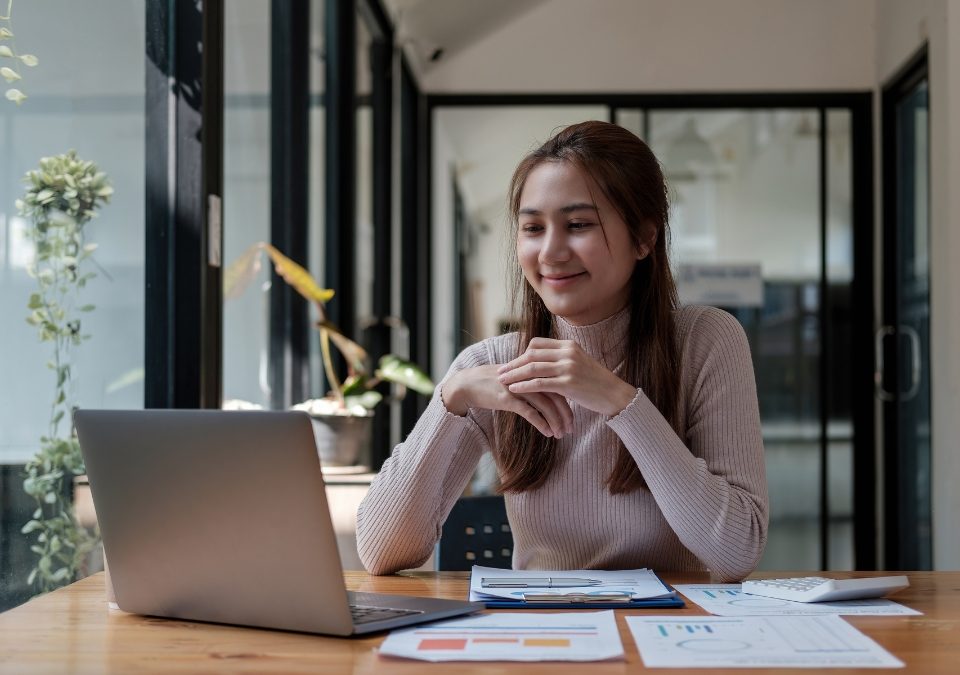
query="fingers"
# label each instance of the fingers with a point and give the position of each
(533, 356)
(549, 413)
(532, 370)
(550, 408)
(563, 408)
(530, 413)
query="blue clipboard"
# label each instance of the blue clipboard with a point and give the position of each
(671, 602)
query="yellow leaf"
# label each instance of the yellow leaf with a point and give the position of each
(299, 278)
(355, 355)
(241, 272)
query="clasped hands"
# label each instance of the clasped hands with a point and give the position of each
(539, 384)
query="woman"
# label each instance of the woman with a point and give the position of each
(625, 430)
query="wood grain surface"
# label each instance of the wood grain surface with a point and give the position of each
(72, 630)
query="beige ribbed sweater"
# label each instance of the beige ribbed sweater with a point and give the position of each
(706, 506)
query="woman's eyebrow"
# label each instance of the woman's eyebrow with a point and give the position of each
(569, 208)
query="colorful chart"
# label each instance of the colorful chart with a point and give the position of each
(583, 636)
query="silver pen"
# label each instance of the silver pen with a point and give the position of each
(536, 582)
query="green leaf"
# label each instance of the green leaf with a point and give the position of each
(6, 51)
(50, 497)
(31, 525)
(35, 301)
(61, 574)
(394, 369)
(28, 60)
(5, 33)
(9, 74)
(88, 308)
(354, 385)
(368, 399)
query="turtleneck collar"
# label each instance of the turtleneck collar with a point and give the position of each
(605, 340)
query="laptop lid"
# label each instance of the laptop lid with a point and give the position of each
(220, 516)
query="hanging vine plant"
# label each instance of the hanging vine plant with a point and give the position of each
(10, 60)
(63, 195)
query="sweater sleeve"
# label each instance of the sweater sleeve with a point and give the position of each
(400, 519)
(714, 492)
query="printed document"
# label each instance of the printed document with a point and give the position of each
(755, 642)
(568, 636)
(515, 584)
(728, 600)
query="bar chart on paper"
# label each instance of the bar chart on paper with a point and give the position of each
(786, 641)
(583, 636)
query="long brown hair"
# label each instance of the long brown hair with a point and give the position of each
(628, 174)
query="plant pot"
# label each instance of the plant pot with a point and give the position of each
(343, 440)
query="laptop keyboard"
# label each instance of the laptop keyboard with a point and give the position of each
(366, 614)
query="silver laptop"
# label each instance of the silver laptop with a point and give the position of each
(222, 516)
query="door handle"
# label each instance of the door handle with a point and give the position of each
(914, 339)
(882, 333)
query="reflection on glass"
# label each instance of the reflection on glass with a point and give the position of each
(913, 316)
(246, 198)
(839, 203)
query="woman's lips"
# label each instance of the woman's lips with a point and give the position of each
(562, 281)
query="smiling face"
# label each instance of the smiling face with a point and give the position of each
(579, 268)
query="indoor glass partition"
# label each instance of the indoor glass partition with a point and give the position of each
(761, 219)
(86, 93)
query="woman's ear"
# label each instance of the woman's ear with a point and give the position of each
(649, 239)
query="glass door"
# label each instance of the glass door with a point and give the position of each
(903, 342)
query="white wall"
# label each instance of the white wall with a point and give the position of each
(680, 45)
(902, 27)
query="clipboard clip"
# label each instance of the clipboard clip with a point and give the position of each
(577, 598)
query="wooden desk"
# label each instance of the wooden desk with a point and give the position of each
(72, 631)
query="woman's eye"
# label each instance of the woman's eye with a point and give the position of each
(579, 225)
(531, 228)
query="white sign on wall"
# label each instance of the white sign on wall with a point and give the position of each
(720, 285)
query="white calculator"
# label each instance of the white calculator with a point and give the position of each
(822, 589)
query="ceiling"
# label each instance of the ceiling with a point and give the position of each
(425, 26)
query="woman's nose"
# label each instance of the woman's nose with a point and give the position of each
(555, 247)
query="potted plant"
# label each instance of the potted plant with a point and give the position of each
(342, 419)
(63, 195)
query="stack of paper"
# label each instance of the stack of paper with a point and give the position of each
(487, 583)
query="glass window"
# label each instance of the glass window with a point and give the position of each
(247, 185)
(80, 96)
(246, 197)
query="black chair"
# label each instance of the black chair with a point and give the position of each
(476, 533)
